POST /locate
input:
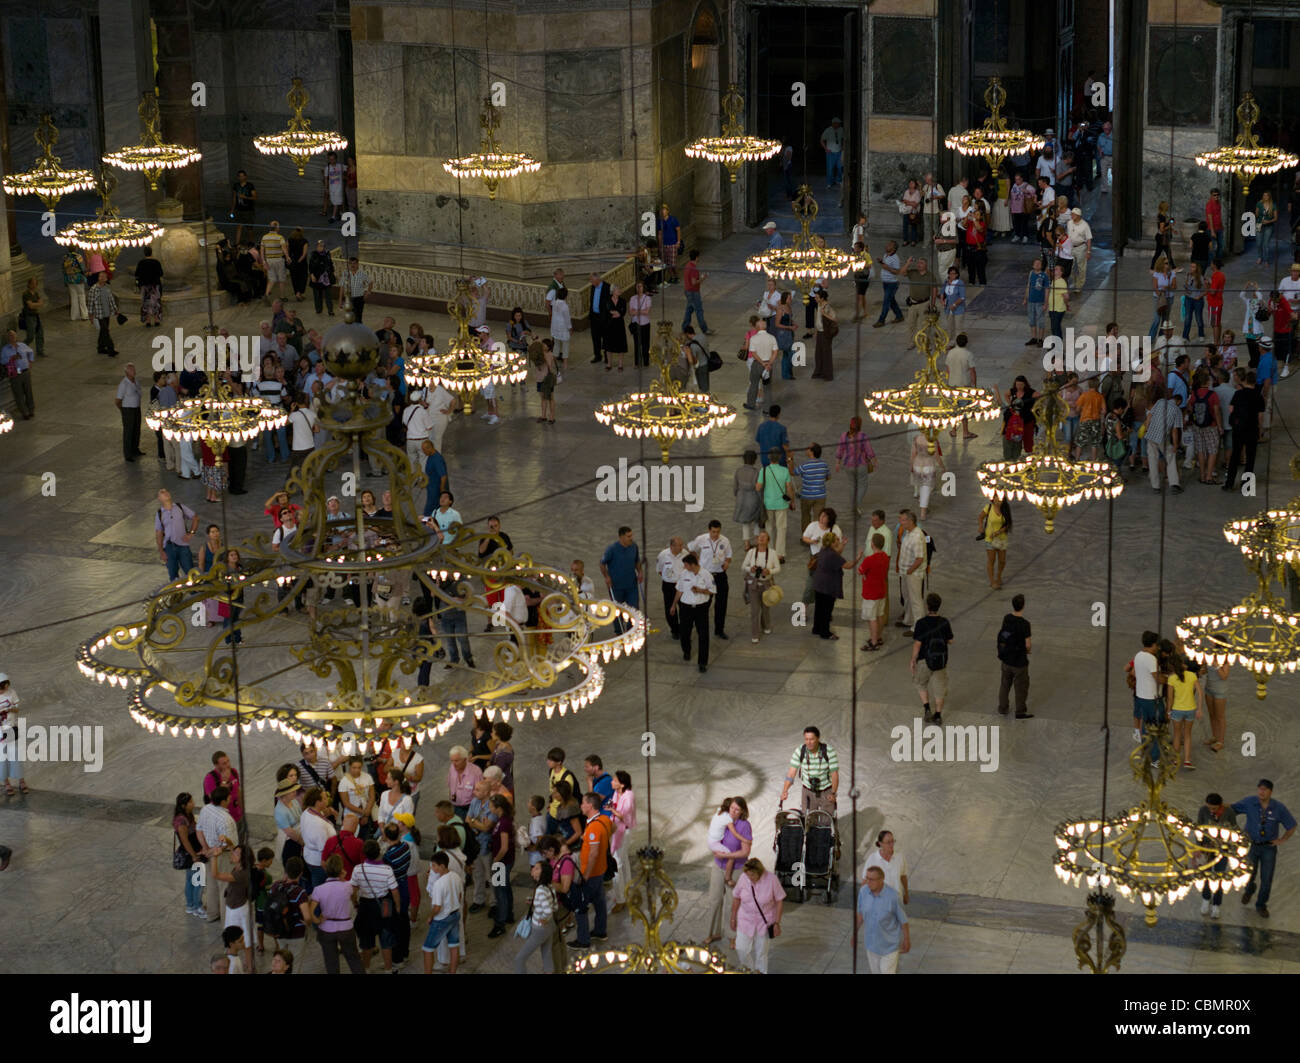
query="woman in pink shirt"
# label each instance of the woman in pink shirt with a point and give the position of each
(624, 810)
(638, 312)
(854, 452)
(756, 914)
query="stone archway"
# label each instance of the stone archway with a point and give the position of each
(706, 78)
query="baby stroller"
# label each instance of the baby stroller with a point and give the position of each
(807, 843)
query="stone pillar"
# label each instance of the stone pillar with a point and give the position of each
(10, 221)
(176, 78)
(124, 47)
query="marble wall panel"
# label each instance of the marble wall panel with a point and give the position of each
(888, 172)
(1187, 186)
(379, 96)
(670, 93)
(582, 122)
(600, 222)
(27, 61)
(902, 65)
(1181, 63)
(433, 107)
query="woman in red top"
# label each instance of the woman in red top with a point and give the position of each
(977, 256)
(279, 501)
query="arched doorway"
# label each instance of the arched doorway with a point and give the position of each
(711, 208)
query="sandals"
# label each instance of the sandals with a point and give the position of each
(23, 787)
(9, 790)
(1212, 745)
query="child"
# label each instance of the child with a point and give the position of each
(232, 937)
(261, 889)
(537, 827)
(561, 329)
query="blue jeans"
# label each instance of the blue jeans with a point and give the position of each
(1195, 309)
(593, 893)
(1265, 242)
(503, 903)
(911, 229)
(625, 596)
(1157, 322)
(454, 624)
(1071, 427)
(179, 559)
(1264, 857)
(1056, 317)
(1150, 711)
(1216, 245)
(269, 443)
(834, 167)
(193, 893)
(696, 304)
(890, 303)
(787, 366)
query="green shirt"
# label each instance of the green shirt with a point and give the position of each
(772, 481)
(815, 769)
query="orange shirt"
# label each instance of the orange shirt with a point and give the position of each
(1091, 406)
(596, 835)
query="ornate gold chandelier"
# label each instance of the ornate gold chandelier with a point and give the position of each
(6, 423)
(654, 889)
(47, 178)
(930, 401)
(108, 232)
(1099, 916)
(151, 156)
(465, 368)
(666, 412)
(298, 140)
(1150, 852)
(807, 259)
(735, 147)
(218, 417)
(349, 642)
(1047, 478)
(491, 163)
(1260, 633)
(994, 139)
(1246, 157)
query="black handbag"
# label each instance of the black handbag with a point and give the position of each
(181, 859)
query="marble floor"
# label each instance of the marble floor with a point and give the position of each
(979, 843)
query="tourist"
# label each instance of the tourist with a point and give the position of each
(874, 569)
(541, 920)
(1214, 813)
(762, 349)
(288, 815)
(892, 864)
(446, 898)
(783, 328)
(593, 861)
(813, 537)
(128, 405)
(1182, 692)
(931, 636)
(731, 849)
(1018, 422)
(1265, 220)
(748, 513)
(828, 583)
(773, 485)
(148, 279)
(74, 279)
(890, 270)
(995, 531)
(638, 324)
(1162, 286)
(1014, 645)
(756, 907)
(953, 298)
(1036, 301)
(817, 766)
(622, 809)
(1163, 431)
(855, 452)
(692, 279)
(615, 328)
(760, 567)
(620, 564)
(911, 562)
(883, 922)
(378, 902)
(238, 896)
(1216, 702)
(925, 465)
(187, 851)
(1246, 419)
(1264, 817)
(103, 308)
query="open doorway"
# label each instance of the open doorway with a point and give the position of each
(818, 47)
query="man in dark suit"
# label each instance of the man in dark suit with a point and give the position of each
(600, 306)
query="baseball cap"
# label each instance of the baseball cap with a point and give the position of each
(835, 121)
(1076, 210)
(772, 225)
(405, 819)
(4, 677)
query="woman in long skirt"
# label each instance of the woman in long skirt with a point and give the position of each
(826, 327)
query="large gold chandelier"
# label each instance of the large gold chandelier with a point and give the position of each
(807, 259)
(333, 669)
(994, 139)
(654, 889)
(1246, 157)
(665, 412)
(108, 232)
(6, 423)
(217, 416)
(491, 163)
(1047, 478)
(1260, 633)
(930, 401)
(298, 140)
(465, 367)
(735, 147)
(47, 178)
(151, 156)
(1150, 852)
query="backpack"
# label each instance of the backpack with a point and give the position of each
(472, 848)
(715, 361)
(930, 550)
(1201, 409)
(1009, 642)
(936, 652)
(279, 915)
(1015, 427)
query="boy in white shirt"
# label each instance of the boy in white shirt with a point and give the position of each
(446, 893)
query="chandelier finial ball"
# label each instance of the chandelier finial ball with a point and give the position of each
(351, 349)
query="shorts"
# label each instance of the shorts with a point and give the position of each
(241, 917)
(1182, 715)
(275, 271)
(1037, 314)
(370, 924)
(1205, 440)
(934, 682)
(243, 215)
(996, 542)
(861, 287)
(1088, 434)
(873, 608)
(1216, 315)
(447, 929)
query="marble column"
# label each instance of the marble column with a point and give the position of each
(125, 62)
(176, 78)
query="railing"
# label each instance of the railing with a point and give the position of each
(439, 286)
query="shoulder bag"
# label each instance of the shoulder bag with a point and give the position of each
(771, 930)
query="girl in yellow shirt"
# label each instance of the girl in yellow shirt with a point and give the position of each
(1182, 696)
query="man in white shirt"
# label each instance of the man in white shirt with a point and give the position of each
(714, 551)
(1147, 708)
(216, 830)
(961, 373)
(417, 419)
(910, 566)
(441, 405)
(959, 190)
(1046, 165)
(302, 431)
(128, 401)
(669, 566)
(691, 607)
(1080, 234)
(446, 895)
(586, 588)
(1289, 286)
(762, 358)
(316, 829)
(1046, 198)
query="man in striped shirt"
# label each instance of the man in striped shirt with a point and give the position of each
(1164, 425)
(813, 475)
(817, 766)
